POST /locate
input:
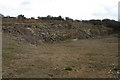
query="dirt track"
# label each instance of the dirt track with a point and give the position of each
(88, 58)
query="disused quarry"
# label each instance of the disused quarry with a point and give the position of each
(58, 49)
(37, 31)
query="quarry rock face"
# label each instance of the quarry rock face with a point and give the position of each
(36, 32)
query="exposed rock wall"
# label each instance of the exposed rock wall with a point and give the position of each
(52, 30)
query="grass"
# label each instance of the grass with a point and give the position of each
(100, 66)
(93, 64)
(7, 55)
(12, 44)
(91, 54)
(110, 40)
(10, 48)
(13, 49)
(70, 45)
(97, 65)
(86, 59)
(60, 44)
(46, 52)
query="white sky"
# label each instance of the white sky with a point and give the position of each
(76, 9)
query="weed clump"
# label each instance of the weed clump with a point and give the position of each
(68, 69)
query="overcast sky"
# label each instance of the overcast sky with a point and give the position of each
(76, 9)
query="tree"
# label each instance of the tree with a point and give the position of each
(60, 17)
(32, 18)
(1, 16)
(7, 16)
(21, 16)
(67, 18)
(39, 17)
(49, 16)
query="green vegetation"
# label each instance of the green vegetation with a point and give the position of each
(46, 52)
(67, 45)
(10, 48)
(96, 65)
(68, 69)
(21, 16)
(13, 49)
(7, 55)
(91, 54)
(50, 74)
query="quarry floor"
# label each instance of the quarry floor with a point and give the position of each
(86, 58)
